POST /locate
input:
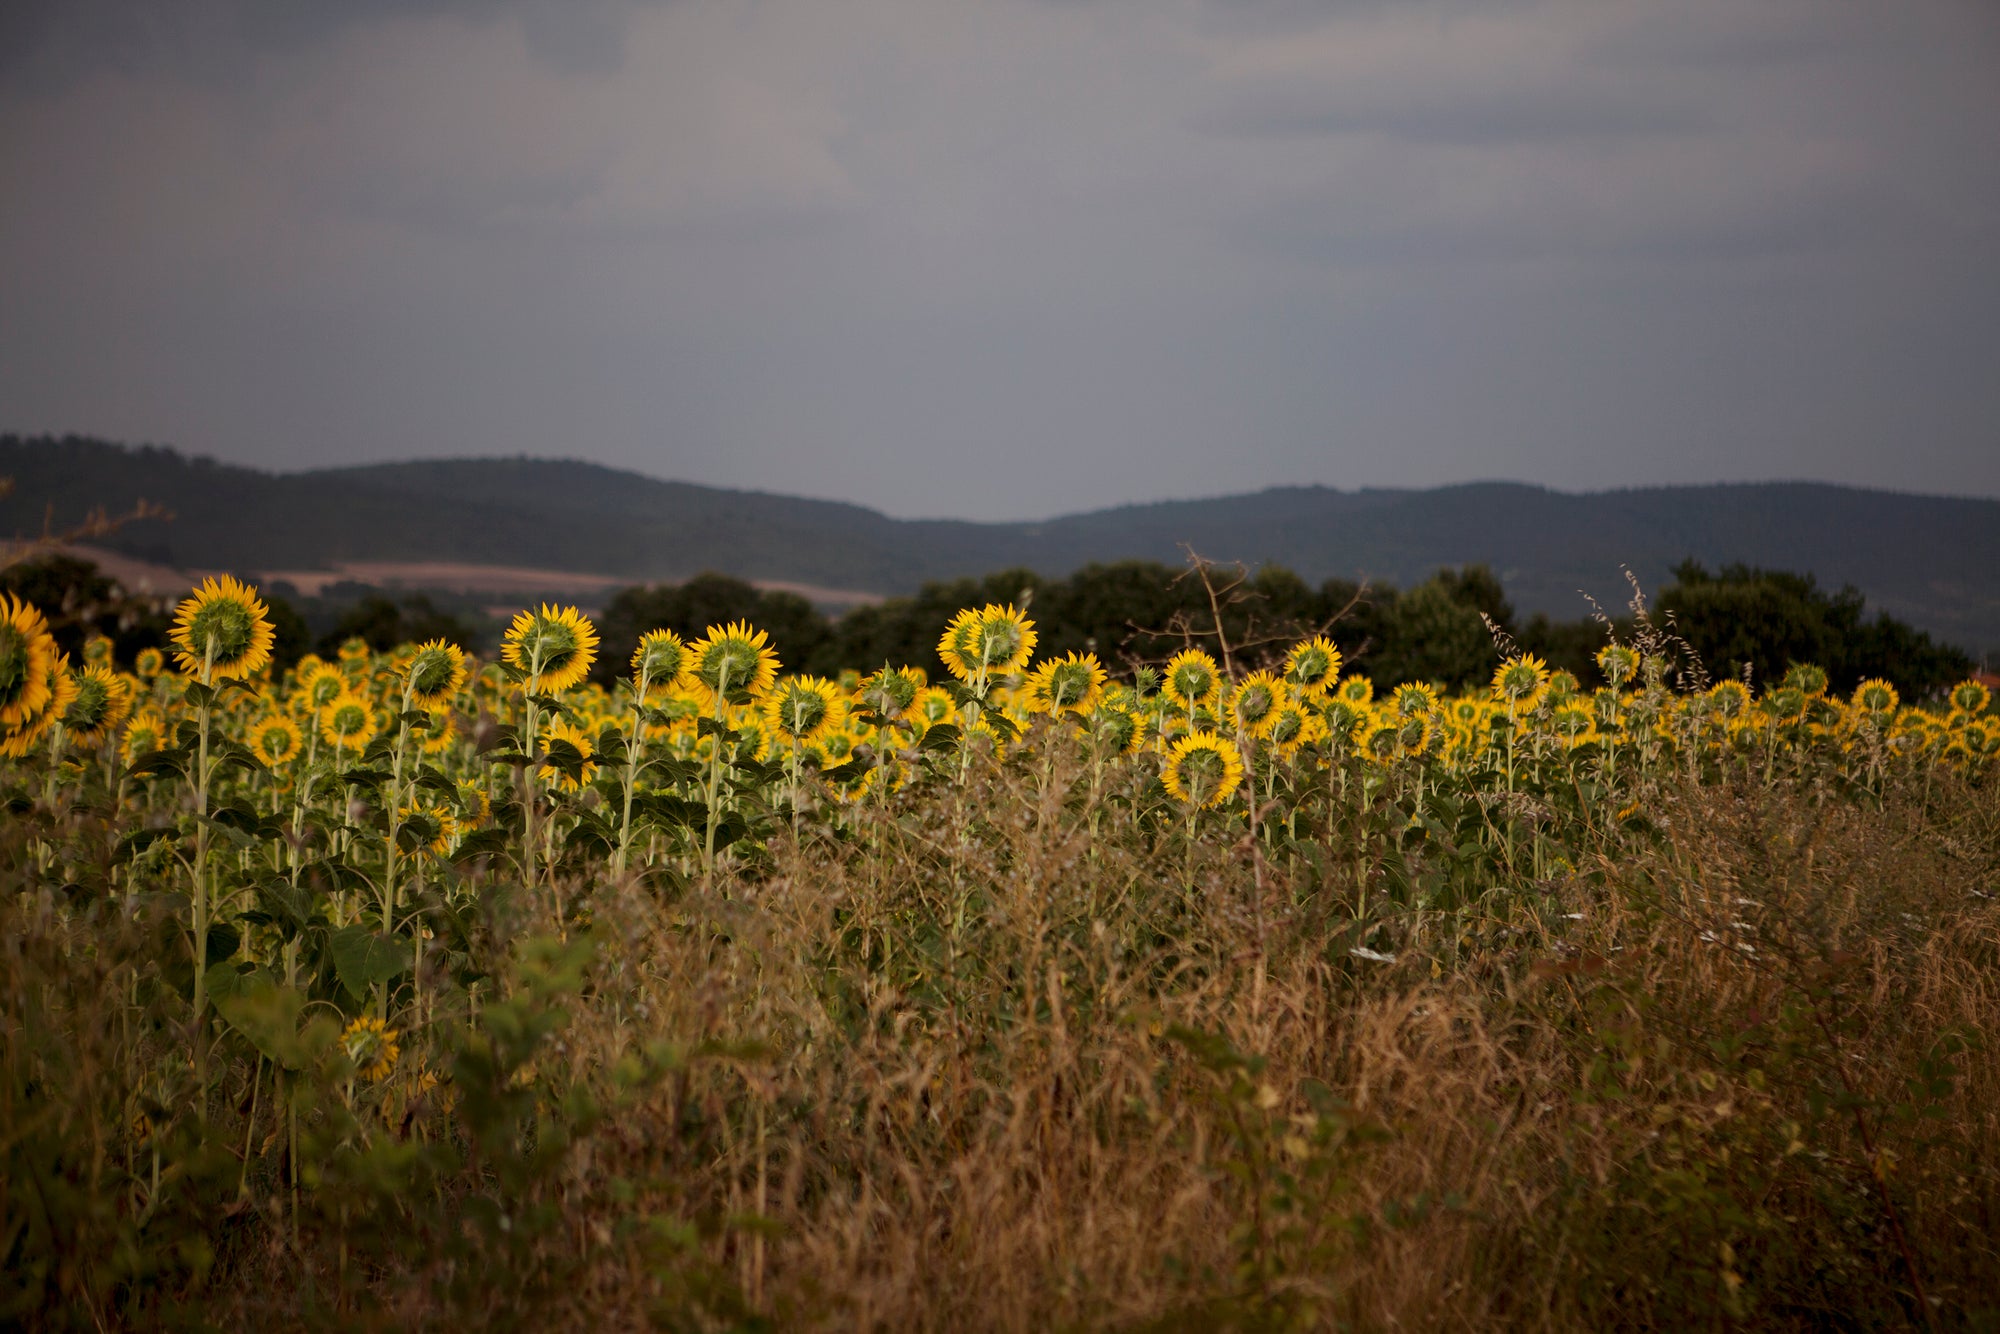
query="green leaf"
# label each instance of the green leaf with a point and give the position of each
(365, 958)
(942, 736)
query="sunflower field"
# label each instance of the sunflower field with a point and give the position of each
(406, 990)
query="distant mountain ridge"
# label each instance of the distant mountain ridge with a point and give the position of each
(1932, 560)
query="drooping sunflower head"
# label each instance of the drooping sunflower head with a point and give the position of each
(149, 663)
(1619, 663)
(553, 647)
(102, 700)
(435, 672)
(1192, 679)
(1519, 680)
(1313, 665)
(224, 627)
(1202, 769)
(347, 721)
(1971, 698)
(26, 651)
(371, 1045)
(1070, 684)
(1254, 701)
(732, 660)
(1876, 696)
(800, 709)
(275, 740)
(659, 663)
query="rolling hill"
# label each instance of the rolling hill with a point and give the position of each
(1934, 561)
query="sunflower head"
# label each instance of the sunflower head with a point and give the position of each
(1254, 701)
(1192, 679)
(1344, 722)
(732, 661)
(801, 709)
(1357, 690)
(1115, 731)
(1971, 698)
(1876, 696)
(553, 647)
(224, 627)
(933, 705)
(434, 673)
(1291, 726)
(149, 663)
(563, 730)
(1070, 684)
(891, 691)
(371, 1045)
(1520, 680)
(660, 662)
(1806, 677)
(26, 652)
(146, 733)
(434, 819)
(347, 721)
(102, 700)
(97, 651)
(275, 740)
(1729, 699)
(1202, 769)
(1313, 665)
(1619, 663)
(1415, 700)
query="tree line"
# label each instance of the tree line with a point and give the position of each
(1733, 621)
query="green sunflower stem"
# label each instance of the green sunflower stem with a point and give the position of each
(395, 822)
(631, 768)
(531, 781)
(715, 769)
(201, 905)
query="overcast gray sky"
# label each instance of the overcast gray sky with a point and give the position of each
(1008, 258)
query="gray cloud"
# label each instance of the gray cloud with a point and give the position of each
(1016, 256)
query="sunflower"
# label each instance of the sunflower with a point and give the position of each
(563, 730)
(1192, 679)
(1415, 700)
(149, 663)
(58, 689)
(958, 646)
(660, 661)
(1070, 684)
(1202, 770)
(930, 706)
(1116, 730)
(1253, 701)
(371, 1045)
(892, 691)
(1521, 679)
(1290, 726)
(801, 709)
(97, 651)
(1313, 665)
(1619, 663)
(1357, 690)
(435, 811)
(1574, 725)
(1875, 696)
(226, 627)
(442, 731)
(436, 672)
(1808, 678)
(1729, 699)
(144, 734)
(26, 651)
(1970, 698)
(275, 740)
(102, 700)
(1343, 721)
(734, 659)
(318, 686)
(347, 721)
(553, 647)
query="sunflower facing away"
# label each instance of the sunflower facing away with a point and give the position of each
(1253, 702)
(553, 647)
(1520, 680)
(1070, 684)
(733, 659)
(1203, 769)
(26, 652)
(802, 709)
(226, 626)
(347, 721)
(435, 673)
(102, 700)
(1192, 680)
(1313, 665)
(275, 740)
(660, 662)
(146, 733)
